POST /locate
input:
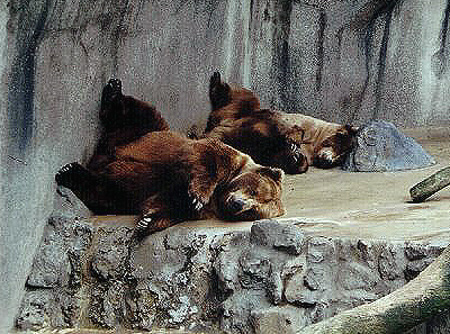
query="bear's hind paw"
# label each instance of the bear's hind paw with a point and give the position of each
(68, 175)
(295, 161)
(148, 225)
(144, 223)
(112, 90)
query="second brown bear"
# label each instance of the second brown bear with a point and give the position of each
(273, 138)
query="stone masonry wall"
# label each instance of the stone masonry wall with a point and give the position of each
(271, 279)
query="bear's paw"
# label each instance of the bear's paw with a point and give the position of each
(70, 175)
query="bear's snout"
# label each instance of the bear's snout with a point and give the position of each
(236, 204)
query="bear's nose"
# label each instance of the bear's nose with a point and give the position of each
(236, 204)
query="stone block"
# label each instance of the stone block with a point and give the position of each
(286, 238)
(380, 147)
(284, 319)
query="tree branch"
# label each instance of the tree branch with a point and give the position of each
(421, 191)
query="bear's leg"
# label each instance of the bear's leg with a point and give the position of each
(219, 92)
(291, 159)
(97, 193)
(111, 107)
(157, 215)
(201, 188)
(215, 163)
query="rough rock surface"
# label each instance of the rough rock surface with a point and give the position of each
(271, 278)
(54, 287)
(380, 147)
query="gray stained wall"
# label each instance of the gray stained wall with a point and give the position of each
(345, 61)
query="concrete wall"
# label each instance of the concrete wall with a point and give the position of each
(343, 61)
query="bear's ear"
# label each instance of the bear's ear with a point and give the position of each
(275, 174)
(352, 130)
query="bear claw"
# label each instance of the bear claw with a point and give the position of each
(112, 90)
(196, 203)
(144, 223)
(67, 173)
(115, 84)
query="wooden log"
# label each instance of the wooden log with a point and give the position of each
(430, 185)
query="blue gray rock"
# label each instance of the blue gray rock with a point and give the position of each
(381, 147)
(53, 289)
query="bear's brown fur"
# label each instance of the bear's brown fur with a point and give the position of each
(237, 120)
(324, 144)
(124, 119)
(166, 178)
(289, 141)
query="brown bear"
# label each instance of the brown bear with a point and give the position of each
(167, 178)
(237, 120)
(273, 138)
(124, 119)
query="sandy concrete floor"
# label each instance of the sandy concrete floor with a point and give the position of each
(362, 205)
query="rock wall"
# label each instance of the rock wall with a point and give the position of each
(350, 62)
(342, 61)
(271, 279)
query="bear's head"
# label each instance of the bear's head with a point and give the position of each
(222, 94)
(334, 148)
(251, 195)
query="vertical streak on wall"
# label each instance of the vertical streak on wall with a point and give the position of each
(122, 7)
(5, 310)
(367, 44)
(21, 88)
(229, 40)
(247, 57)
(371, 48)
(434, 87)
(320, 50)
(442, 56)
(382, 62)
(281, 62)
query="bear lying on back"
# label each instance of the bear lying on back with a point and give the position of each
(167, 178)
(124, 119)
(140, 167)
(289, 141)
(236, 119)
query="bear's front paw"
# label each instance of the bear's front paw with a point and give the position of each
(196, 203)
(143, 225)
(150, 224)
(70, 174)
(295, 161)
